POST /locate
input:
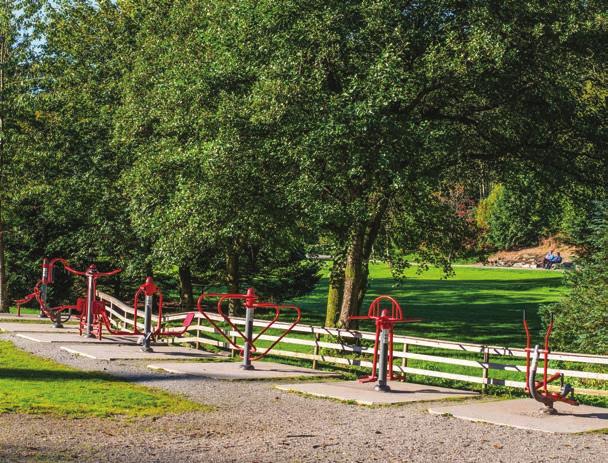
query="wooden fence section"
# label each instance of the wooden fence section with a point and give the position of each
(346, 350)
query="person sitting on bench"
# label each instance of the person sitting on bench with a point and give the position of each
(557, 259)
(548, 260)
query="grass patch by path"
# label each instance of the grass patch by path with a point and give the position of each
(30, 384)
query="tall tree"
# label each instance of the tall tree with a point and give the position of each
(189, 120)
(15, 88)
(375, 101)
(69, 201)
(4, 54)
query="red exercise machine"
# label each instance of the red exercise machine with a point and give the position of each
(249, 340)
(386, 319)
(62, 313)
(153, 298)
(538, 390)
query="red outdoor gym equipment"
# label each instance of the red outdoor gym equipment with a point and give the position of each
(62, 313)
(153, 297)
(538, 390)
(386, 319)
(26, 299)
(249, 340)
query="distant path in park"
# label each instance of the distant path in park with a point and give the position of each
(255, 423)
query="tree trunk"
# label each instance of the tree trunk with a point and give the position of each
(363, 285)
(333, 296)
(352, 278)
(3, 283)
(233, 279)
(4, 50)
(370, 238)
(186, 296)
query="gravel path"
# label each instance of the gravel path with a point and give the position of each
(255, 423)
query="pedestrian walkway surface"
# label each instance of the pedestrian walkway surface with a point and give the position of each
(364, 393)
(23, 316)
(232, 371)
(526, 414)
(75, 338)
(37, 328)
(134, 352)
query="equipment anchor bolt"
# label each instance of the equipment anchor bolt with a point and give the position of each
(382, 388)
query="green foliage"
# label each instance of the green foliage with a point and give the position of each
(520, 212)
(487, 205)
(65, 199)
(30, 384)
(282, 276)
(189, 122)
(581, 318)
(579, 210)
(224, 138)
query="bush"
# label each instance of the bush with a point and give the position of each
(518, 213)
(486, 205)
(578, 216)
(581, 318)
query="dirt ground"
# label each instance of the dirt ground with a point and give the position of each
(535, 253)
(253, 422)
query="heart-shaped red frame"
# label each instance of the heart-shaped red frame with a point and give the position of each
(256, 305)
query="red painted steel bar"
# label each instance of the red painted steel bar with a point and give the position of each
(39, 293)
(538, 390)
(251, 303)
(147, 289)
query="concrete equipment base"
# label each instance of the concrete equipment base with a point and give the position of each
(526, 414)
(232, 371)
(364, 394)
(37, 328)
(24, 317)
(74, 338)
(134, 352)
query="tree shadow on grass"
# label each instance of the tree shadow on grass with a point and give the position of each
(49, 375)
(484, 310)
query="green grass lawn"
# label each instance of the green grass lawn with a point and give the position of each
(29, 384)
(481, 305)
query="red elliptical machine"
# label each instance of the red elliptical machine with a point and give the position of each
(538, 390)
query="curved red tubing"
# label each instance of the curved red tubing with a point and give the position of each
(257, 305)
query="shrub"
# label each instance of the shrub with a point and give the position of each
(485, 206)
(519, 213)
(581, 318)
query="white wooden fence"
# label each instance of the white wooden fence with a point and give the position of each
(346, 351)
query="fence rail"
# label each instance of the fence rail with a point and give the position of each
(344, 344)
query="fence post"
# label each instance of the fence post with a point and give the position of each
(404, 359)
(198, 332)
(232, 349)
(315, 351)
(486, 369)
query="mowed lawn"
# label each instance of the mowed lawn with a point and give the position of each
(482, 305)
(30, 384)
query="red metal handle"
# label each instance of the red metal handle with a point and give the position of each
(250, 302)
(106, 274)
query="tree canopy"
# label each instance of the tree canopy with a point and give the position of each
(221, 142)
